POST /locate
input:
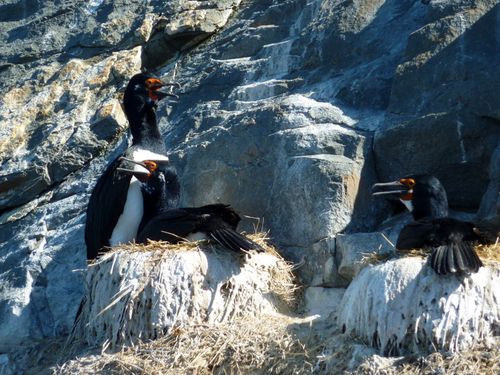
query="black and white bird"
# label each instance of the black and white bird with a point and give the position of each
(215, 222)
(115, 208)
(451, 241)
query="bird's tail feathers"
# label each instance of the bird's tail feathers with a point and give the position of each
(235, 241)
(456, 257)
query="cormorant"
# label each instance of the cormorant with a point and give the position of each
(216, 222)
(451, 241)
(115, 207)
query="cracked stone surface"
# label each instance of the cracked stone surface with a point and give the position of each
(289, 111)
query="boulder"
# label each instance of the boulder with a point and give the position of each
(323, 302)
(264, 162)
(356, 251)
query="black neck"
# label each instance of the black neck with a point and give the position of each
(433, 204)
(141, 115)
(160, 194)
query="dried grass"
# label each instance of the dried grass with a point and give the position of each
(271, 346)
(482, 361)
(375, 258)
(244, 346)
(166, 247)
(489, 254)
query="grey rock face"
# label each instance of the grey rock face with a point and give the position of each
(279, 105)
(354, 252)
(443, 101)
(58, 115)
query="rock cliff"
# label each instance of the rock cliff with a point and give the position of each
(290, 110)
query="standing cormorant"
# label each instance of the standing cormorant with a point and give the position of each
(451, 241)
(115, 207)
(216, 222)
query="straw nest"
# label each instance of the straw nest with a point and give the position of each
(402, 306)
(142, 292)
(489, 254)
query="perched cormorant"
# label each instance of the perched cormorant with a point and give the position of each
(451, 241)
(216, 222)
(116, 206)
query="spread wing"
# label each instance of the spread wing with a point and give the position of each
(451, 241)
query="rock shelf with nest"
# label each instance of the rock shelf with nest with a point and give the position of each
(403, 306)
(142, 292)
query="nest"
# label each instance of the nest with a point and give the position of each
(273, 345)
(489, 254)
(141, 292)
(402, 306)
(482, 361)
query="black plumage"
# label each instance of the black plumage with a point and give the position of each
(216, 222)
(450, 241)
(115, 192)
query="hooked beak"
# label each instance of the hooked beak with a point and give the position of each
(390, 189)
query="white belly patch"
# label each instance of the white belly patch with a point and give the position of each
(127, 225)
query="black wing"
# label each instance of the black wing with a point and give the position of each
(455, 257)
(227, 215)
(451, 241)
(234, 241)
(105, 207)
(172, 226)
(217, 221)
(488, 231)
(416, 235)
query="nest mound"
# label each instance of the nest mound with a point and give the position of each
(403, 306)
(142, 292)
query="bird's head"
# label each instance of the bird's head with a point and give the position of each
(144, 87)
(158, 178)
(423, 195)
(143, 170)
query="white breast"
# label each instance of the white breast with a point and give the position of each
(127, 225)
(408, 204)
